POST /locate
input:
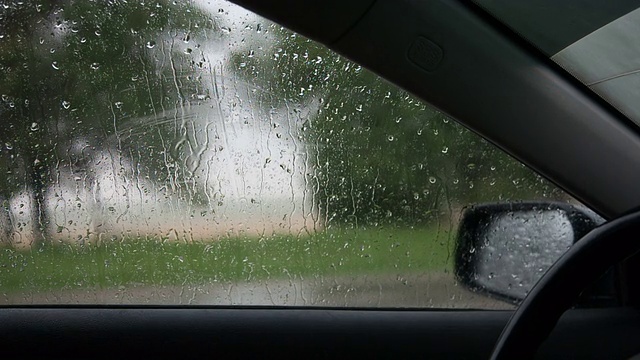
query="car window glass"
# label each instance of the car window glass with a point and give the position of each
(169, 152)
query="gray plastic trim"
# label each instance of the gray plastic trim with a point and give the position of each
(322, 20)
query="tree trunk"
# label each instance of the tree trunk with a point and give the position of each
(6, 226)
(38, 176)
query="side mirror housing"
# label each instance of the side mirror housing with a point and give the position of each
(503, 249)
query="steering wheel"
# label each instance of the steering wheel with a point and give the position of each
(561, 285)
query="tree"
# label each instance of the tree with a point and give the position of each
(379, 154)
(72, 72)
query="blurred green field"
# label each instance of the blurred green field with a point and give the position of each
(164, 263)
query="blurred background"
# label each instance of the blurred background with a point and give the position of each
(190, 152)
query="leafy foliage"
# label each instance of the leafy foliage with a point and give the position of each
(72, 73)
(380, 154)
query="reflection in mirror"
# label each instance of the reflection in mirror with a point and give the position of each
(519, 247)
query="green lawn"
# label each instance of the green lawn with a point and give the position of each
(155, 262)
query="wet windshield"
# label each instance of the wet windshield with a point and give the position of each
(170, 152)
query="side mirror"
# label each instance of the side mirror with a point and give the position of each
(504, 249)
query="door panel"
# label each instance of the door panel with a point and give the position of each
(299, 333)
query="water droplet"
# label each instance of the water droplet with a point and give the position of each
(34, 126)
(119, 104)
(445, 150)
(188, 51)
(359, 108)
(151, 44)
(95, 66)
(55, 65)
(390, 138)
(432, 179)
(66, 104)
(8, 145)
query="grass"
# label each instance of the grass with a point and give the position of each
(157, 263)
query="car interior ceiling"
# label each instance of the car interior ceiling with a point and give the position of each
(491, 95)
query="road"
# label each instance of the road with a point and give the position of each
(434, 290)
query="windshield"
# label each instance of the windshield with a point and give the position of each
(193, 153)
